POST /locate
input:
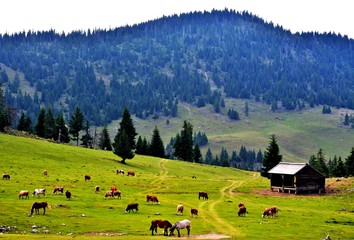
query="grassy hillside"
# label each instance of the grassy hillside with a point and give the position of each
(299, 133)
(24, 159)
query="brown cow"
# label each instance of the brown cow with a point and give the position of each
(194, 212)
(87, 177)
(132, 206)
(23, 193)
(131, 173)
(58, 189)
(180, 209)
(45, 173)
(6, 176)
(113, 194)
(151, 198)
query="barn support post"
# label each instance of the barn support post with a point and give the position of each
(282, 182)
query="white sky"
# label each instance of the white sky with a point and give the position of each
(68, 15)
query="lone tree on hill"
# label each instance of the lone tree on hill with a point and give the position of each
(271, 157)
(124, 141)
(76, 125)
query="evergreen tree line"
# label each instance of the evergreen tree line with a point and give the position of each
(151, 67)
(335, 167)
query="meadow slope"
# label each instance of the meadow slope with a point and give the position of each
(89, 216)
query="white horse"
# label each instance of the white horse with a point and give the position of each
(181, 225)
(39, 191)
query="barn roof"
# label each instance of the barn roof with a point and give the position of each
(287, 168)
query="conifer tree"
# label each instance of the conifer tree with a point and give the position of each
(40, 126)
(76, 125)
(197, 155)
(124, 142)
(87, 138)
(184, 145)
(49, 124)
(271, 157)
(61, 131)
(349, 163)
(105, 140)
(3, 111)
(156, 148)
(208, 157)
(22, 122)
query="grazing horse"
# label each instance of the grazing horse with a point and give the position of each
(272, 211)
(97, 189)
(161, 224)
(6, 176)
(180, 209)
(204, 195)
(151, 198)
(113, 194)
(194, 212)
(68, 194)
(120, 171)
(87, 177)
(132, 206)
(58, 189)
(37, 205)
(181, 225)
(38, 191)
(131, 173)
(242, 211)
(23, 193)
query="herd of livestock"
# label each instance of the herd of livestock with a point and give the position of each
(114, 192)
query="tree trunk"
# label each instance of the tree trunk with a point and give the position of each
(123, 161)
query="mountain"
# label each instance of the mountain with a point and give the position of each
(198, 58)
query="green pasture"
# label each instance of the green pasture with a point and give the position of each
(89, 216)
(299, 134)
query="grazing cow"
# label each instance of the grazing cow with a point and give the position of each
(23, 193)
(194, 212)
(151, 198)
(180, 209)
(132, 206)
(161, 224)
(97, 189)
(120, 171)
(37, 205)
(38, 191)
(204, 195)
(131, 173)
(87, 177)
(6, 176)
(68, 195)
(271, 211)
(58, 189)
(45, 173)
(181, 225)
(242, 211)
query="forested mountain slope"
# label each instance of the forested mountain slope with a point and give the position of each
(197, 58)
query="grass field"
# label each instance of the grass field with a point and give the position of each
(301, 216)
(299, 134)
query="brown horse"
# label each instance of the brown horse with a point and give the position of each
(37, 205)
(161, 224)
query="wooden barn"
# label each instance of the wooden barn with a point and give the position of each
(296, 178)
